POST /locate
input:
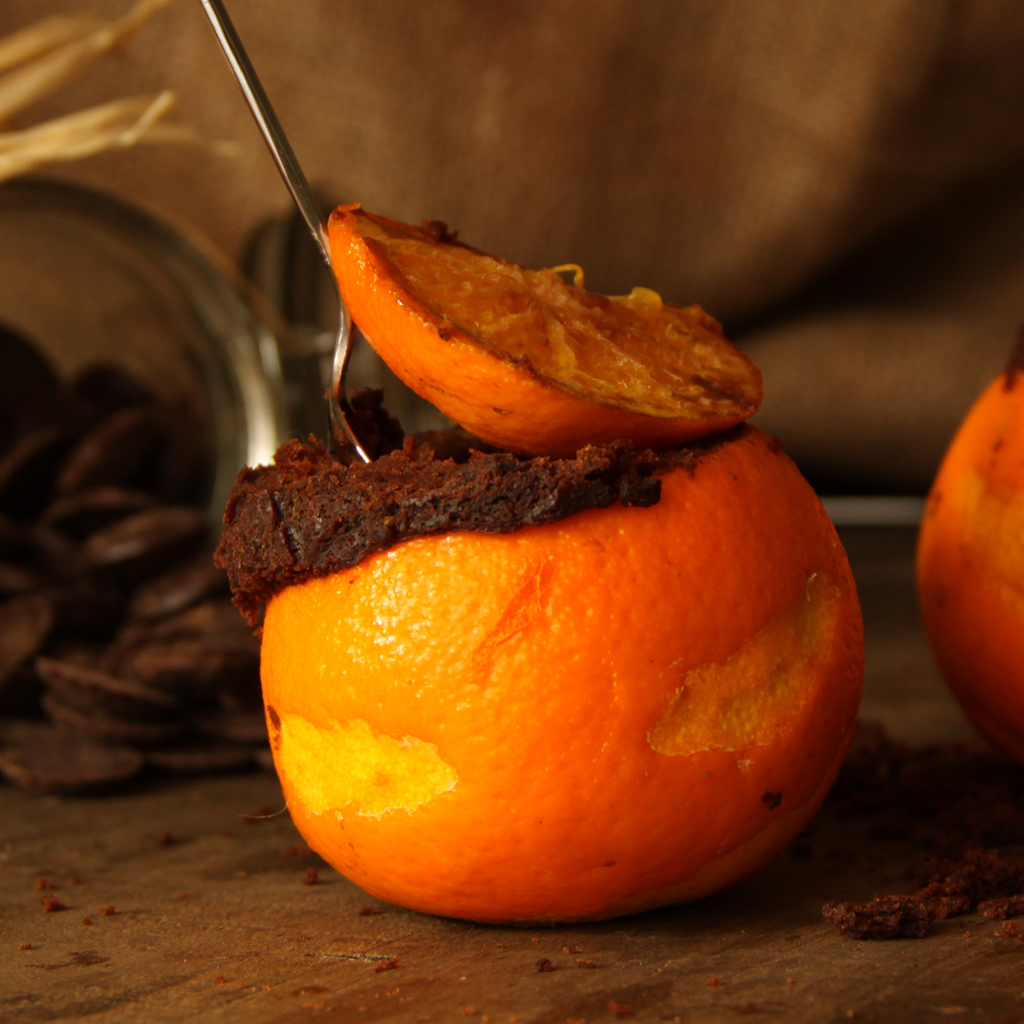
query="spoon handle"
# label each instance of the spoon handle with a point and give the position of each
(273, 134)
(342, 434)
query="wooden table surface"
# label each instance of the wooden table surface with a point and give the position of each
(218, 926)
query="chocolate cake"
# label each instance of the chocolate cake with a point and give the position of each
(310, 515)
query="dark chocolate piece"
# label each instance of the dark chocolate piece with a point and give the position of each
(79, 515)
(82, 610)
(28, 469)
(181, 588)
(191, 666)
(108, 729)
(215, 622)
(115, 453)
(85, 653)
(14, 579)
(56, 555)
(29, 390)
(16, 542)
(25, 622)
(174, 474)
(96, 692)
(39, 756)
(20, 693)
(199, 757)
(239, 728)
(145, 544)
(67, 567)
(105, 388)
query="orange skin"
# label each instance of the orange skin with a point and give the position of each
(970, 565)
(501, 401)
(540, 664)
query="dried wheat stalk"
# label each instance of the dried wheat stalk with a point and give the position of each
(113, 125)
(49, 53)
(43, 36)
(48, 72)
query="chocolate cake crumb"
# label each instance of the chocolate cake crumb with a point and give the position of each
(956, 886)
(439, 231)
(1002, 907)
(883, 917)
(309, 515)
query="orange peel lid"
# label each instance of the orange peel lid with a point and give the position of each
(526, 360)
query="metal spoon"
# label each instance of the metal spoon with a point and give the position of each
(281, 150)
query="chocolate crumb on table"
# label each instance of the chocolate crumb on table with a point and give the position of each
(883, 917)
(1002, 907)
(950, 802)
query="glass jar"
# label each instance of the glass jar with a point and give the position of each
(91, 279)
(287, 268)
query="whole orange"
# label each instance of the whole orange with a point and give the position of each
(627, 708)
(970, 563)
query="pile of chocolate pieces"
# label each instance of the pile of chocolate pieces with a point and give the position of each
(120, 651)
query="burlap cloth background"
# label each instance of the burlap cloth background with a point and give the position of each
(841, 183)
